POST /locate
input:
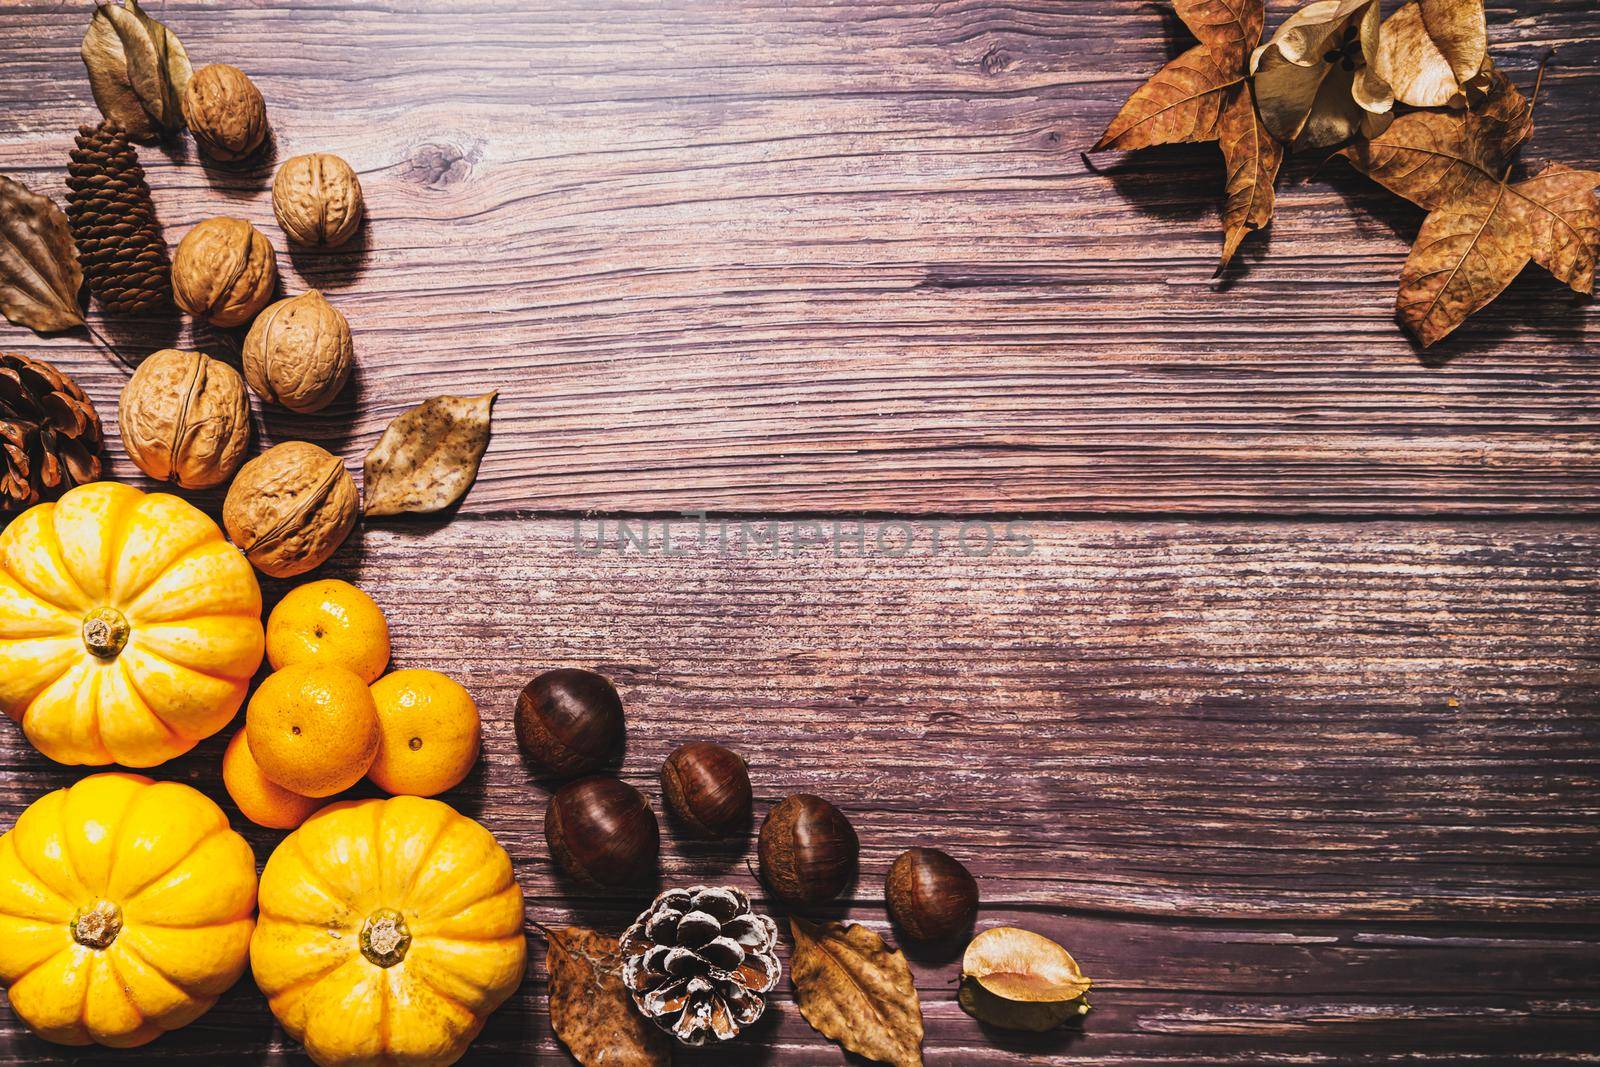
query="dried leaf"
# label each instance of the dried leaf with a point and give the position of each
(428, 457)
(590, 1011)
(138, 70)
(1204, 95)
(39, 271)
(1184, 100)
(1430, 51)
(852, 989)
(1482, 229)
(1252, 157)
(1471, 248)
(1430, 157)
(1312, 79)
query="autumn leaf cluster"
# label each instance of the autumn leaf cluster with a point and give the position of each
(1418, 106)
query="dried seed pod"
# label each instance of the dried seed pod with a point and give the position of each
(225, 112)
(298, 353)
(317, 199)
(930, 894)
(708, 788)
(224, 271)
(808, 850)
(569, 722)
(290, 508)
(185, 418)
(602, 832)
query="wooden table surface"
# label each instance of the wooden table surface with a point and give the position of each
(1280, 711)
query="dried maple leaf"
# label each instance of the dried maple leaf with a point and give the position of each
(138, 70)
(1431, 51)
(1482, 229)
(590, 1011)
(39, 270)
(852, 989)
(428, 457)
(1204, 95)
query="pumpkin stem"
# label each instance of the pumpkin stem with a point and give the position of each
(105, 632)
(384, 937)
(97, 925)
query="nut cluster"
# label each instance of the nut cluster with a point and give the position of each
(225, 112)
(224, 271)
(185, 419)
(298, 353)
(317, 199)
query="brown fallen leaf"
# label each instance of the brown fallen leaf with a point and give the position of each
(138, 70)
(1313, 80)
(590, 1011)
(39, 270)
(1430, 157)
(1252, 156)
(1204, 95)
(1184, 100)
(1430, 51)
(428, 457)
(1470, 249)
(852, 989)
(1482, 229)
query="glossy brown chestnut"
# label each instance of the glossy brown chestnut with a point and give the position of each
(931, 896)
(569, 722)
(602, 832)
(808, 850)
(708, 788)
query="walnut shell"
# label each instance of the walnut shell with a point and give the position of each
(298, 353)
(291, 508)
(185, 418)
(225, 112)
(224, 271)
(318, 200)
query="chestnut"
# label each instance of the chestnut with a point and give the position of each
(931, 896)
(708, 788)
(808, 850)
(569, 722)
(602, 832)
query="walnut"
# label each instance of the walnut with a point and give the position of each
(290, 508)
(298, 353)
(185, 418)
(318, 200)
(225, 112)
(224, 271)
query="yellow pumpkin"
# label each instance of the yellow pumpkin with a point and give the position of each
(125, 910)
(129, 627)
(389, 931)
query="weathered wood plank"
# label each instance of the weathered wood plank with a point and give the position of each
(1289, 790)
(752, 255)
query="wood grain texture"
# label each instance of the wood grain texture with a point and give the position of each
(1282, 794)
(1295, 788)
(764, 256)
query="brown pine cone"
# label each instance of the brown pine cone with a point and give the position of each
(114, 223)
(700, 962)
(49, 434)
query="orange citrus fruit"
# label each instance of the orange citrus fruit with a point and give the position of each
(429, 727)
(313, 728)
(329, 622)
(259, 799)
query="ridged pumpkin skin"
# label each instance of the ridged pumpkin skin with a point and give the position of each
(390, 930)
(105, 563)
(125, 910)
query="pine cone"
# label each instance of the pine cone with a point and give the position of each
(114, 223)
(698, 961)
(49, 433)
